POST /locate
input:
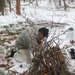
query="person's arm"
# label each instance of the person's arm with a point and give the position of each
(22, 41)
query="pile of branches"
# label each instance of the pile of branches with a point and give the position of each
(49, 61)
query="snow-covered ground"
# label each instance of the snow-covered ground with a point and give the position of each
(45, 12)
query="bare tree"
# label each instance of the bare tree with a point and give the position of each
(49, 1)
(65, 6)
(36, 2)
(18, 7)
(9, 2)
(2, 5)
(72, 0)
(59, 2)
(24, 0)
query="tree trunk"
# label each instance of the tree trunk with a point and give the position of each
(2, 5)
(72, 0)
(18, 7)
(69, 1)
(65, 6)
(49, 1)
(9, 2)
(36, 2)
(24, 0)
(59, 2)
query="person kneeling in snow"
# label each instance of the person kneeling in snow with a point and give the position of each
(27, 40)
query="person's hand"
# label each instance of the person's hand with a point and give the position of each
(39, 42)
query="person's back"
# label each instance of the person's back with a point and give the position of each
(25, 38)
(24, 42)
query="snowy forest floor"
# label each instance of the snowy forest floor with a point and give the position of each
(9, 34)
(12, 25)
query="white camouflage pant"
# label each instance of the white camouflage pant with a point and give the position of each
(23, 56)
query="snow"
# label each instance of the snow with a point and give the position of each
(44, 12)
(19, 69)
(10, 19)
(66, 46)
